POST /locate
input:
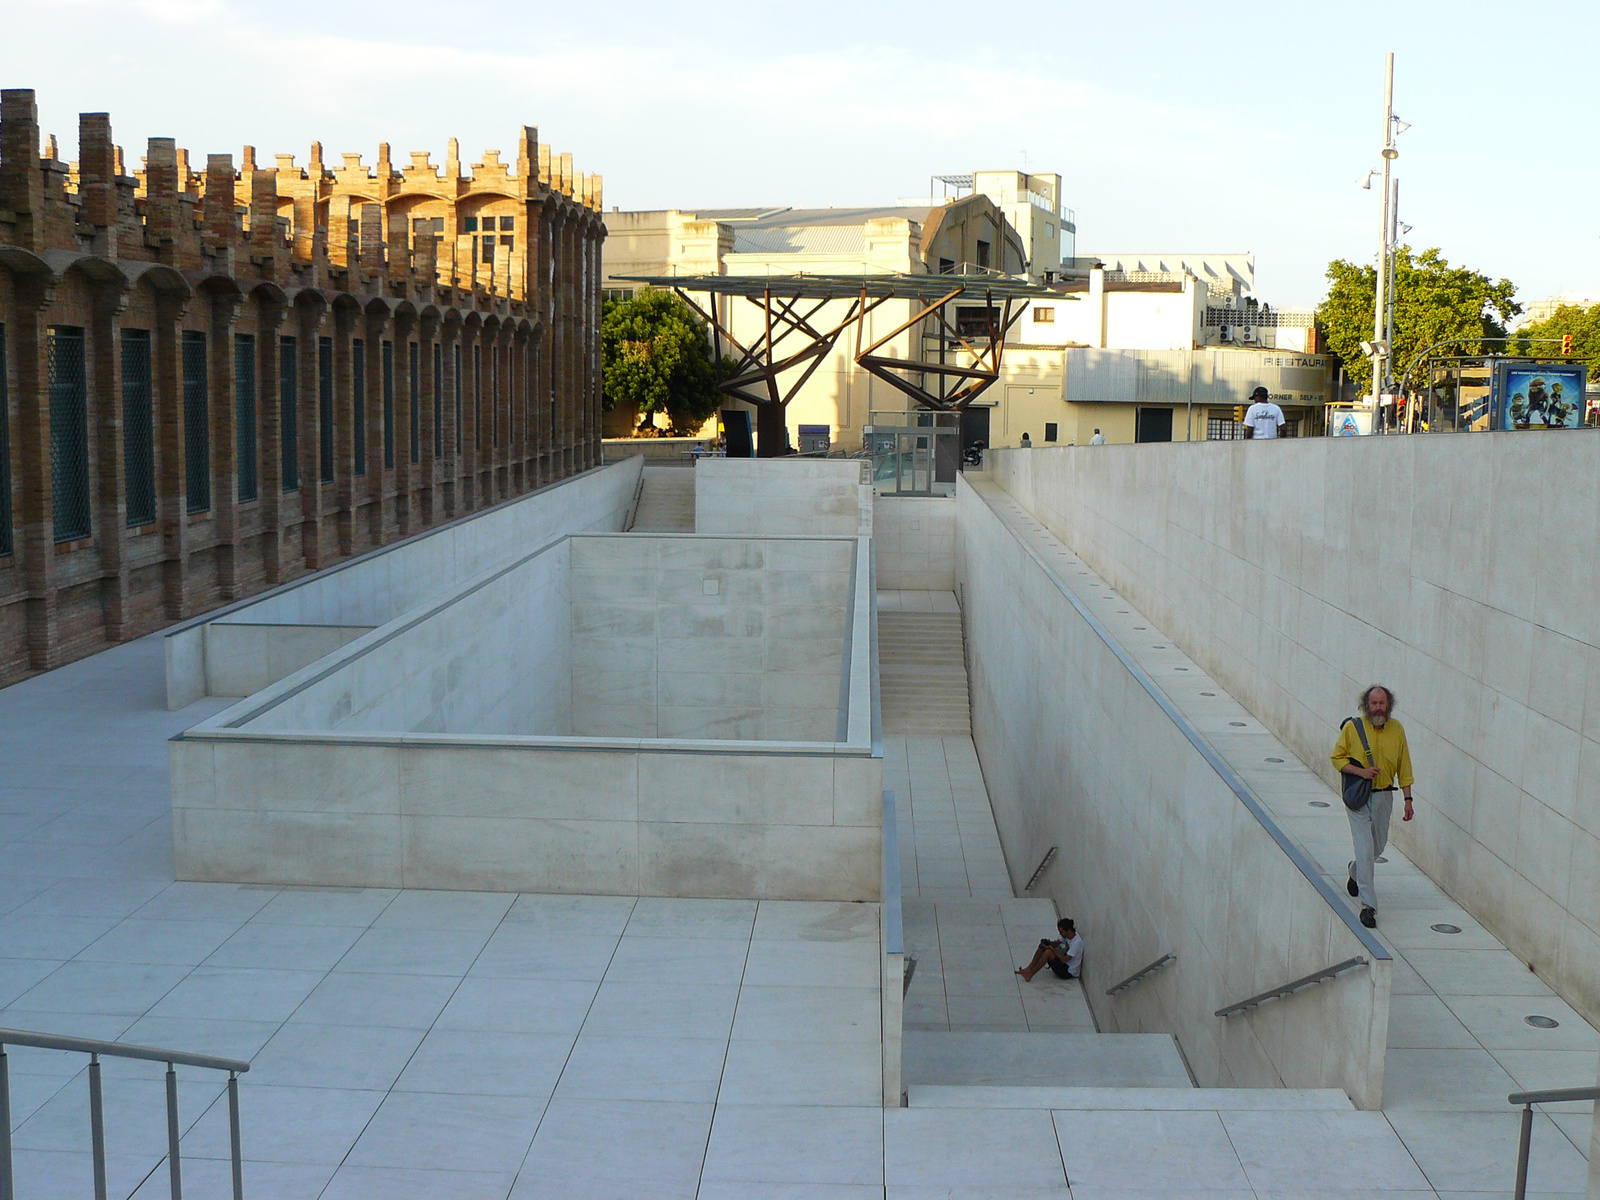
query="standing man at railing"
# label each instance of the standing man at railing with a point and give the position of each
(1372, 747)
(1263, 419)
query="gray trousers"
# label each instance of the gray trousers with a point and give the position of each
(1369, 830)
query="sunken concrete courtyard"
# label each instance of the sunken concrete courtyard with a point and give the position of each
(608, 843)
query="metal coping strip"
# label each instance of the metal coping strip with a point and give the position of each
(376, 552)
(78, 1045)
(1294, 985)
(1229, 776)
(841, 729)
(894, 938)
(877, 697)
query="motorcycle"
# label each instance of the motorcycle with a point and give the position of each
(973, 457)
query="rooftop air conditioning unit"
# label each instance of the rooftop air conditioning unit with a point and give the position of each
(1226, 333)
(1246, 334)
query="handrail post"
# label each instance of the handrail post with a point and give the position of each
(174, 1167)
(1523, 1145)
(97, 1128)
(7, 1185)
(233, 1134)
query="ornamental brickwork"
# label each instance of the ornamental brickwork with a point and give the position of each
(214, 381)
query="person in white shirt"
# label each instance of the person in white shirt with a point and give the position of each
(1263, 418)
(1099, 439)
(1064, 955)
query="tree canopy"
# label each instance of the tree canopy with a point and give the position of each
(1433, 301)
(1583, 324)
(656, 353)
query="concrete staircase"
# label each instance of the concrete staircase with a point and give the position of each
(667, 503)
(922, 668)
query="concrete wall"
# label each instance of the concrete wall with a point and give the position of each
(495, 658)
(1158, 852)
(381, 812)
(778, 496)
(379, 586)
(698, 637)
(317, 779)
(241, 659)
(915, 538)
(1462, 570)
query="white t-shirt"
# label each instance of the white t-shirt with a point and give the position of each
(1073, 949)
(1265, 418)
(1098, 439)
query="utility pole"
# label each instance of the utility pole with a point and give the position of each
(1380, 350)
(1394, 247)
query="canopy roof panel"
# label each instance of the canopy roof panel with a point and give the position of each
(853, 287)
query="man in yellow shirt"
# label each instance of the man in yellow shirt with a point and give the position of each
(1390, 765)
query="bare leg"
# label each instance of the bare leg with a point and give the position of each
(1040, 957)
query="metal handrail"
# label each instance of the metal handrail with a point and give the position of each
(1141, 973)
(1525, 1142)
(1293, 986)
(95, 1049)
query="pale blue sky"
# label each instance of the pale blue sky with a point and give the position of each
(1187, 126)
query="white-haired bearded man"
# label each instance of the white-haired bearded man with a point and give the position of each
(1389, 764)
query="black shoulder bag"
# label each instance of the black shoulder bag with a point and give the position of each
(1358, 791)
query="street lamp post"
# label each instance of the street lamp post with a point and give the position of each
(1380, 348)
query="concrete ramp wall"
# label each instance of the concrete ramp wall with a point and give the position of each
(1462, 570)
(380, 585)
(1160, 850)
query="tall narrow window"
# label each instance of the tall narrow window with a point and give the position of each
(69, 433)
(358, 402)
(325, 407)
(138, 434)
(456, 379)
(6, 546)
(244, 412)
(494, 395)
(386, 353)
(438, 400)
(196, 421)
(289, 411)
(416, 402)
(477, 394)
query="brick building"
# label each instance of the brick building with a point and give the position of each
(212, 382)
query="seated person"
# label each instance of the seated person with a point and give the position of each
(1064, 956)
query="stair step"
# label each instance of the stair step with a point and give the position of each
(1129, 1099)
(1050, 1060)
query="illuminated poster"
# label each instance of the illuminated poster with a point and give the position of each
(1539, 395)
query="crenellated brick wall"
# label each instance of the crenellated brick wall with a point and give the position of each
(346, 294)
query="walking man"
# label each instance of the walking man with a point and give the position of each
(1388, 763)
(1263, 418)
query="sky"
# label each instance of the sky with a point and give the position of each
(1178, 127)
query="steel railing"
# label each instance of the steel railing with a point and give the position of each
(1525, 1142)
(95, 1049)
(1294, 985)
(1141, 973)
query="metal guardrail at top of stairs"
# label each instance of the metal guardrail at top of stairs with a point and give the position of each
(1293, 985)
(1141, 973)
(97, 1130)
(1525, 1142)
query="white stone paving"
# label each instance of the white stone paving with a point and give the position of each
(424, 1044)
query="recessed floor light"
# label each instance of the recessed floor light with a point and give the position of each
(1139, 626)
(1274, 760)
(1180, 668)
(1445, 927)
(1237, 724)
(1318, 803)
(1158, 647)
(1208, 693)
(1541, 1022)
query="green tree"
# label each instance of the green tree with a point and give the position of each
(1433, 301)
(1583, 324)
(655, 353)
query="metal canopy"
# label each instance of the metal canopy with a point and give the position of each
(790, 302)
(885, 286)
